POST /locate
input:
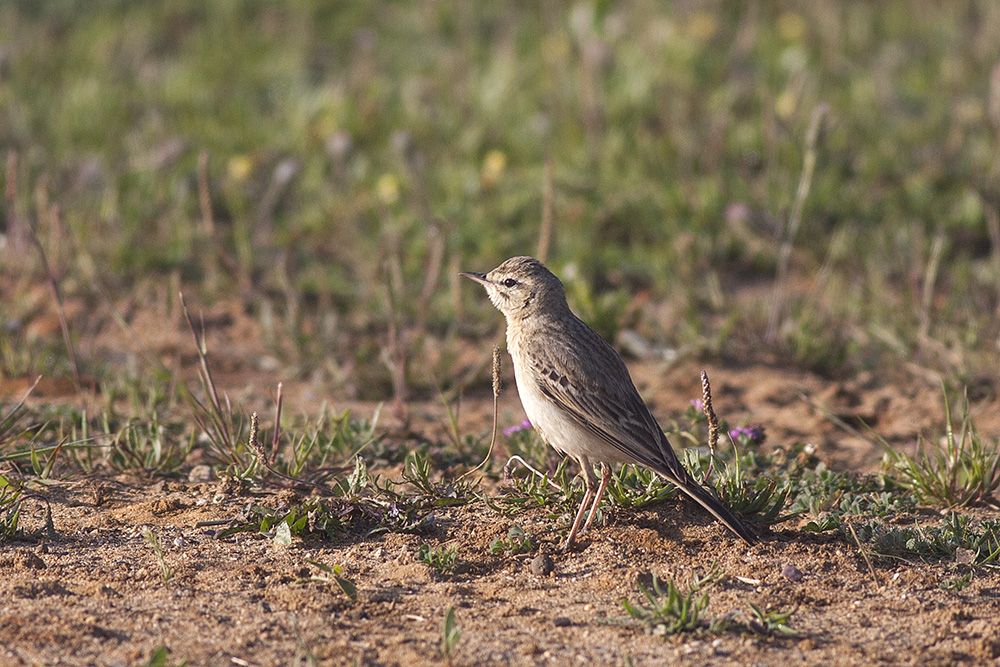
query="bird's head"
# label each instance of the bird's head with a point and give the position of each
(522, 286)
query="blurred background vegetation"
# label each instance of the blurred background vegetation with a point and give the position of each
(332, 166)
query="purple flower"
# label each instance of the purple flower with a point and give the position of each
(748, 435)
(523, 426)
(697, 404)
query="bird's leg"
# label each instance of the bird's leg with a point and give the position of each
(588, 475)
(605, 476)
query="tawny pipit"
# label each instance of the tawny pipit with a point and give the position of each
(577, 391)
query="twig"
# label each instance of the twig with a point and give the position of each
(795, 219)
(54, 286)
(864, 554)
(927, 293)
(506, 470)
(277, 422)
(545, 231)
(207, 220)
(432, 270)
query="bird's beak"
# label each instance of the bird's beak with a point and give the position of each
(478, 277)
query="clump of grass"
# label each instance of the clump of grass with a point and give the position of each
(669, 611)
(964, 470)
(10, 511)
(153, 539)
(443, 559)
(683, 609)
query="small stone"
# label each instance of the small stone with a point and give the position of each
(562, 622)
(200, 473)
(542, 565)
(791, 572)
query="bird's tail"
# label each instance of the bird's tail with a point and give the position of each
(705, 498)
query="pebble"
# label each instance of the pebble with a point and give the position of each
(791, 572)
(542, 565)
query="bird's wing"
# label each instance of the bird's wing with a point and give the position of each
(608, 406)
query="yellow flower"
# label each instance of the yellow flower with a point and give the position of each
(493, 167)
(239, 167)
(792, 27)
(388, 189)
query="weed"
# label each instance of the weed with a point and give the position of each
(770, 622)
(442, 559)
(677, 610)
(10, 510)
(670, 611)
(451, 633)
(517, 542)
(956, 583)
(153, 539)
(159, 659)
(964, 470)
(332, 575)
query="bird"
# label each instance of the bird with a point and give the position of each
(577, 392)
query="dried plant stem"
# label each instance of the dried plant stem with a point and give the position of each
(545, 231)
(277, 429)
(864, 554)
(61, 311)
(795, 219)
(207, 221)
(496, 396)
(713, 421)
(432, 271)
(927, 293)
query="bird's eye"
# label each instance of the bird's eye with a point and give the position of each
(510, 282)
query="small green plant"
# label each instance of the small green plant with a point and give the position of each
(417, 472)
(956, 583)
(10, 510)
(517, 542)
(451, 633)
(964, 470)
(670, 611)
(770, 622)
(636, 486)
(153, 539)
(331, 575)
(442, 559)
(159, 659)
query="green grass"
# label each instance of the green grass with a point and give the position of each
(358, 155)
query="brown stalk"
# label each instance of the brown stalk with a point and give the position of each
(713, 421)
(277, 428)
(207, 220)
(545, 231)
(795, 219)
(496, 396)
(61, 311)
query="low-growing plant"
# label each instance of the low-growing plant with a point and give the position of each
(153, 539)
(443, 559)
(331, 575)
(956, 583)
(963, 470)
(451, 633)
(636, 486)
(10, 510)
(672, 610)
(770, 622)
(517, 542)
